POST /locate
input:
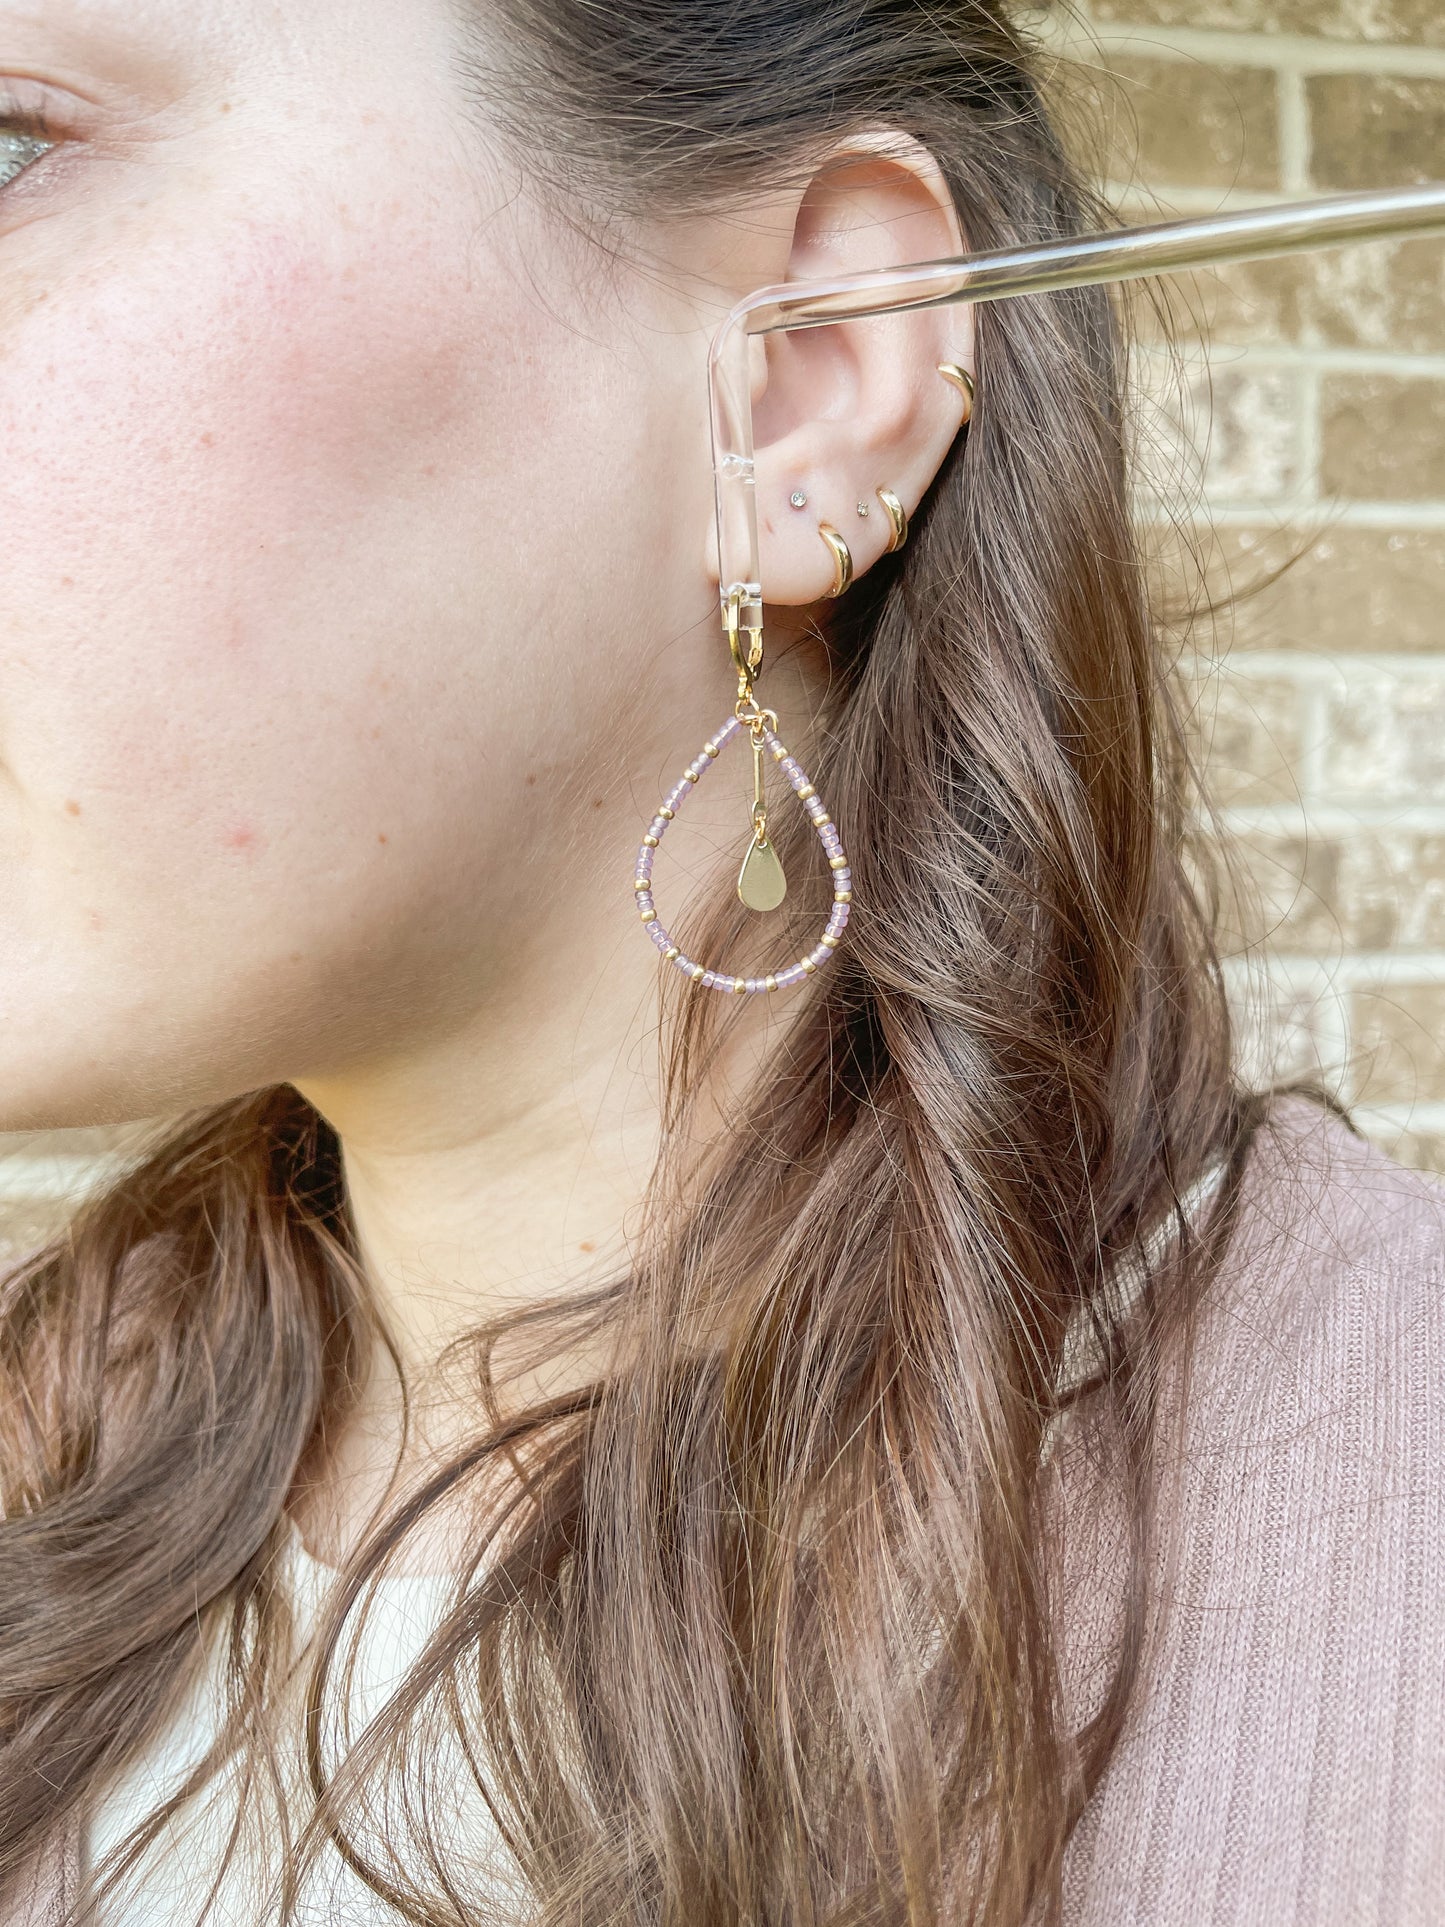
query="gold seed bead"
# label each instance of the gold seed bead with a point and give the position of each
(649, 916)
(771, 982)
(691, 775)
(821, 822)
(832, 942)
(739, 985)
(779, 752)
(698, 973)
(642, 883)
(671, 952)
(711, 748)
(842, 896)
(809, 966)
(805, 792)
(663, 810)
(837, 862)
(650, 840)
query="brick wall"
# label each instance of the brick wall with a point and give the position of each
(1317, 422)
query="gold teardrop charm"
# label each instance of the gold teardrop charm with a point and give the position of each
(761, 883)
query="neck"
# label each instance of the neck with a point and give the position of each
(500, 1161)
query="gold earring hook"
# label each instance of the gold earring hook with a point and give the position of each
(743, 616)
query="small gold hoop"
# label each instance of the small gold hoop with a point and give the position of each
(897, 516)
(962, 381)
(842, 558)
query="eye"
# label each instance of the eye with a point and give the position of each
(17, 152)
(20, 147)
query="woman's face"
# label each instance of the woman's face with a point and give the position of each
(321, 544)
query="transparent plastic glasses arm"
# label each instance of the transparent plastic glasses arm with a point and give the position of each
(1124, 255)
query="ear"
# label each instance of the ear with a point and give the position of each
(842, 410)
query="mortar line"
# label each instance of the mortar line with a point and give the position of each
(1229, 47)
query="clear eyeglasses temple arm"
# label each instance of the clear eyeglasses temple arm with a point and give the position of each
(1088, 260)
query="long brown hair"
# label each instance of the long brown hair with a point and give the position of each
(763, 1630)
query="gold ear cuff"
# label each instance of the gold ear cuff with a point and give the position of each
(897, 518)
(962, 380)
(842, 558)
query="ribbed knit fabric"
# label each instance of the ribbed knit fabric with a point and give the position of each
(1283, 1764)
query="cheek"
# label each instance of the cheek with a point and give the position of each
(238, 477)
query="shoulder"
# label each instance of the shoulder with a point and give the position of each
(1285, 1756)
(1329, 1305)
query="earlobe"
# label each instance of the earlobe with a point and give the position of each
(854, 419)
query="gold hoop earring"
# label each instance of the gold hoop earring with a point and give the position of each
(962, 380)
(842, 558)
(897, 517)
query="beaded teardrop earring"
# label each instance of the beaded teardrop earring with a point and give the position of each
(761, 884)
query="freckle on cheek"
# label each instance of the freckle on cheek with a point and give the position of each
(241, 837)
(72, 808)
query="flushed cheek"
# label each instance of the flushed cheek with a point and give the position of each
(235, 475)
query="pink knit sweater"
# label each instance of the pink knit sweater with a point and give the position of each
(1284, 1762)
